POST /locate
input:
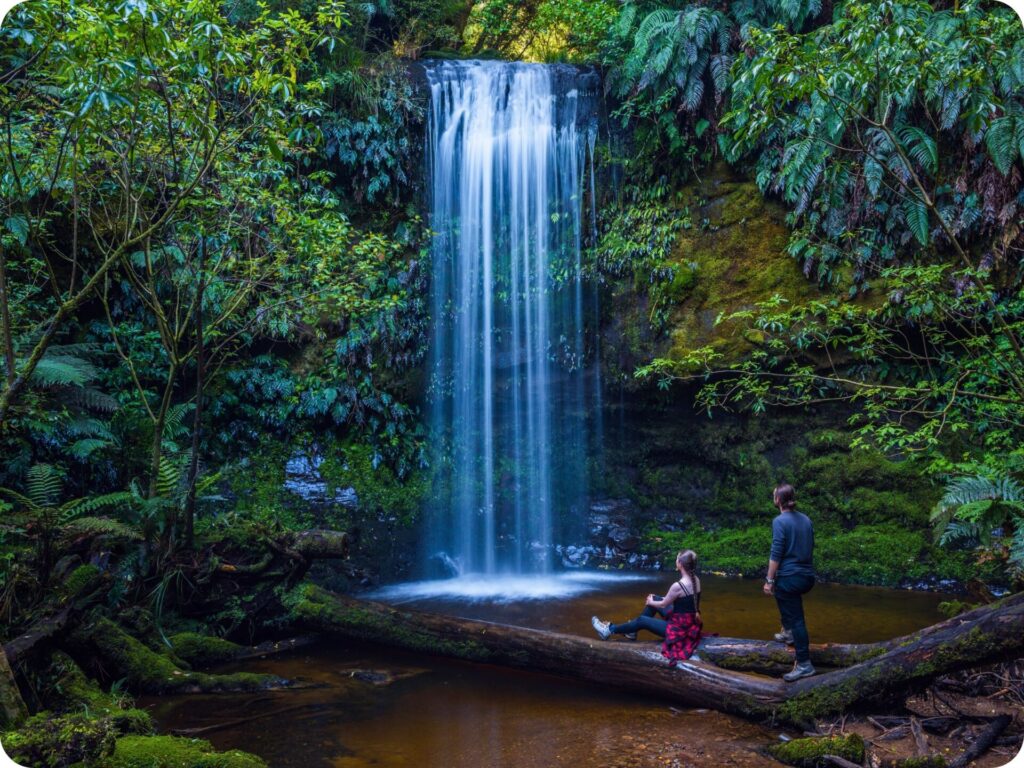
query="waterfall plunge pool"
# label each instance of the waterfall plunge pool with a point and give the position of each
(450, 714)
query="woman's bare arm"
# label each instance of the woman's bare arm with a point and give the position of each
(674, 591)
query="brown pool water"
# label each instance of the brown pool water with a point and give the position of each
(434, 712)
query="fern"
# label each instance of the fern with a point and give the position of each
(1001, 142)
(917, 218)
(43, 485)
(921, 147)
(100, 526)
(683, 50)
(973, 507)
(61, 370)
(90, 504)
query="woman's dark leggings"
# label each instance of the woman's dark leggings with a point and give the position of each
(645, 620)
(789, 593)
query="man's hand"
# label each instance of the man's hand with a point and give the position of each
(769, 589)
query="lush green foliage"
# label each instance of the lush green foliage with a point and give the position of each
(542, 30)
(891, 135)
(874, 130)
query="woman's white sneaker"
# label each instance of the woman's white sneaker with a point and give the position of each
(601, 627)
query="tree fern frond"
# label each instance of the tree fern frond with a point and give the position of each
(91, 399)
(90, 504)
(916, 215)
(43, 485)
(1000, 140)
(100, 526)
(62, 371)
(86, 447)
(965, 490)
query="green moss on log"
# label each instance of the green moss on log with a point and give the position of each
(202, 649)
(932, 761)
(318, 609)
(174, 752)
(83, 578)
(72, 691)
(148, 671)
(808, 753)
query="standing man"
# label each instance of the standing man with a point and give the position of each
(791, 576)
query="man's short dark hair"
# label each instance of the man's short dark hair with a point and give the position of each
(785, 496)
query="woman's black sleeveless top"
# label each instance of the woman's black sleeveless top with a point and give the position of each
(686, 603)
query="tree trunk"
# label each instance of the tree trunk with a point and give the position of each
(890, 670)
(197, 420)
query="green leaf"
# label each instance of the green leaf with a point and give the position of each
(18, 226)
(275, 148)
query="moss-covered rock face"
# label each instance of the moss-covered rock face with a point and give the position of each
(718, 247)
(808, 753)
(174, 752)
(735, 256)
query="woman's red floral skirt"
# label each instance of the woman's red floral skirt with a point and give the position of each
(682, 636)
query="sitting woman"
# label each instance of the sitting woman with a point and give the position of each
(682, 624)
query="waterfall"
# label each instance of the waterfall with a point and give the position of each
(507, 150)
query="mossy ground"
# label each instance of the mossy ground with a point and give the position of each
(174, 752)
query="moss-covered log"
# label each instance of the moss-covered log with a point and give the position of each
(320, 544)
(79, 590)
(769, 657)
(201, 650)
(985, 634)
(147, 671)
(12, 706)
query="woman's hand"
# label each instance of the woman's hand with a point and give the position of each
(650, 599)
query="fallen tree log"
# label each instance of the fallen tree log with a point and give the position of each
(893, 669)
(12, 706)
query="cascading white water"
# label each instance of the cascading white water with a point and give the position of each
(507, 145)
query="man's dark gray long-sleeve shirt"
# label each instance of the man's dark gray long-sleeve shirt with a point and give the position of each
(793, 544)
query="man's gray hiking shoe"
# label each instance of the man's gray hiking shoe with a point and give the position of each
(785, 636)
(601, 627)
(806, 669)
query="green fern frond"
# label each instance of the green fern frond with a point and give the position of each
(100, 526)
(1001, 142)
(43, 485)
(916, 215)
(90, 504)
(91, 399)
(965, 490)
(86, 447)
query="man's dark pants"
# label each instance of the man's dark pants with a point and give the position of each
(789, 592)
